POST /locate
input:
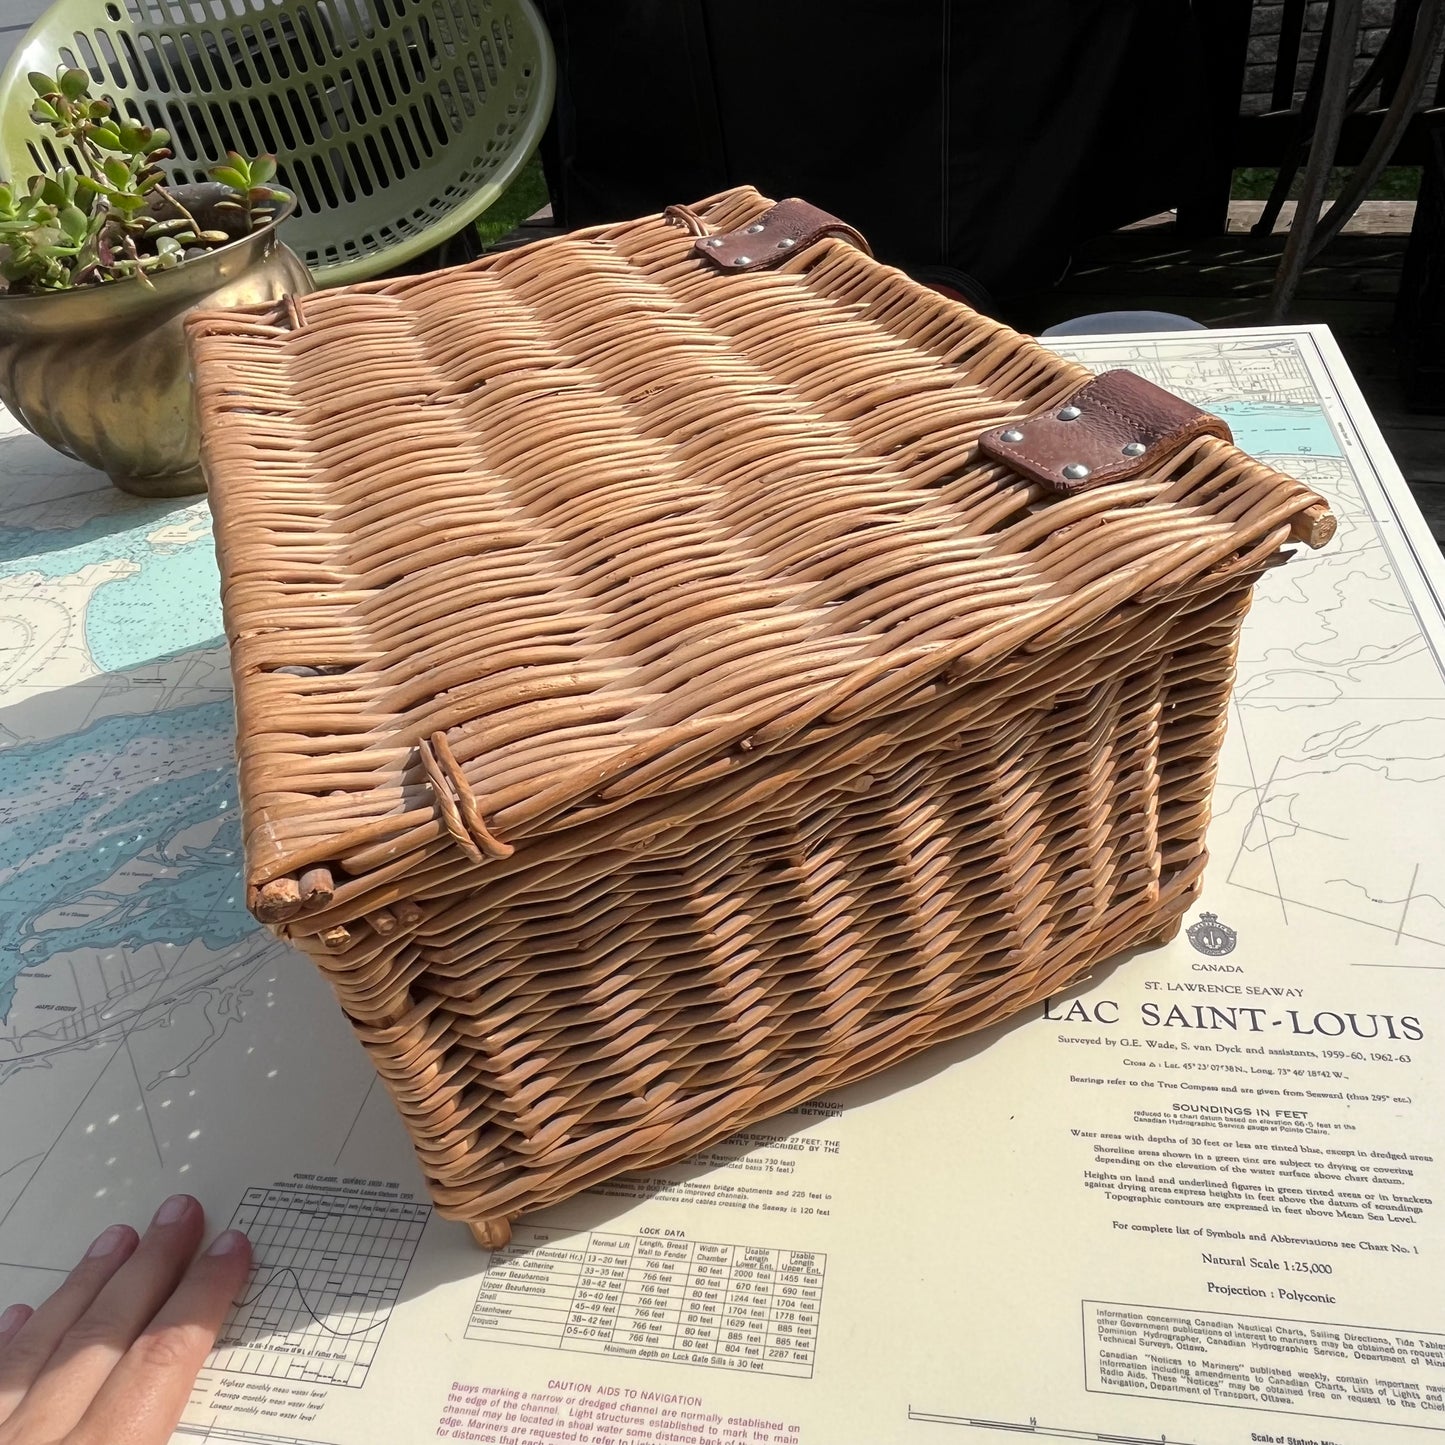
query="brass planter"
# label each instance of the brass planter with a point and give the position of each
(101, 372)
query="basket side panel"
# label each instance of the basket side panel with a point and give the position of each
(628, 1001)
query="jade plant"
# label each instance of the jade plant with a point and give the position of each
(111, 215)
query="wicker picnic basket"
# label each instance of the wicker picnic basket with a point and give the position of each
(686, 666)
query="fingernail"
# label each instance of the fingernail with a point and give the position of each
(173, 1209)
(12, 1317)
(108, 1241)
(231, 1242)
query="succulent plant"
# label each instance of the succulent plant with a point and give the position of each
(112, 216)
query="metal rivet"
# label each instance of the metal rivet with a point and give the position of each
(1135, 449)
(1013, 434)
(1069, 413)
(742, 260)
(713, 241)
(1076, 471)
(786, 244)
(753, 230)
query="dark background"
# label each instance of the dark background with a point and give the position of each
(987, 135)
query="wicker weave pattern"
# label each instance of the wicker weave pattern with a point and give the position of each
(681, 718)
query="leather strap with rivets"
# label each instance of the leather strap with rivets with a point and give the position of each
(771, 238)
(1113, 428)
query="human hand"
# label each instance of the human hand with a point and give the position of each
(110, 1357)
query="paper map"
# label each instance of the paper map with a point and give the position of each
(812, 1280)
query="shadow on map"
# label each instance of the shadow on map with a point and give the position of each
(36, 476)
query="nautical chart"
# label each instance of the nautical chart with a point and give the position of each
(153, 1038)
(1340, 701)
(328, 1270)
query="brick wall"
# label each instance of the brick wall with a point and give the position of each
(1264, 47)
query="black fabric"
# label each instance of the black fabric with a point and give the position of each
(989, 135)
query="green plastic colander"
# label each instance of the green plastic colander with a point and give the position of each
(397, 122)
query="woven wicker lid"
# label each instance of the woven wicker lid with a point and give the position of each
(591, 525)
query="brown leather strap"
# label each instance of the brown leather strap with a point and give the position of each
(771, 238)
(1113, 428)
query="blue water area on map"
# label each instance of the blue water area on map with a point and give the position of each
(171, 600)
(1272, 429)
(94, 851)
(125, 610)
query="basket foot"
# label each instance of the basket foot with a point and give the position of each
(492, 1233)
(1169, 931)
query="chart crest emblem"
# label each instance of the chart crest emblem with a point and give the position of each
(1211, 936)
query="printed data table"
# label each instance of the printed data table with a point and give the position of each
(646, 1297)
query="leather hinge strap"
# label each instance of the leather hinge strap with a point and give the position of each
(781, 230)
(1113, 428)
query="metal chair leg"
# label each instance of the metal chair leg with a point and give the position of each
(1334, 94)
(1430, 25)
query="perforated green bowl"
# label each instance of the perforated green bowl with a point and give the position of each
(397, 122)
